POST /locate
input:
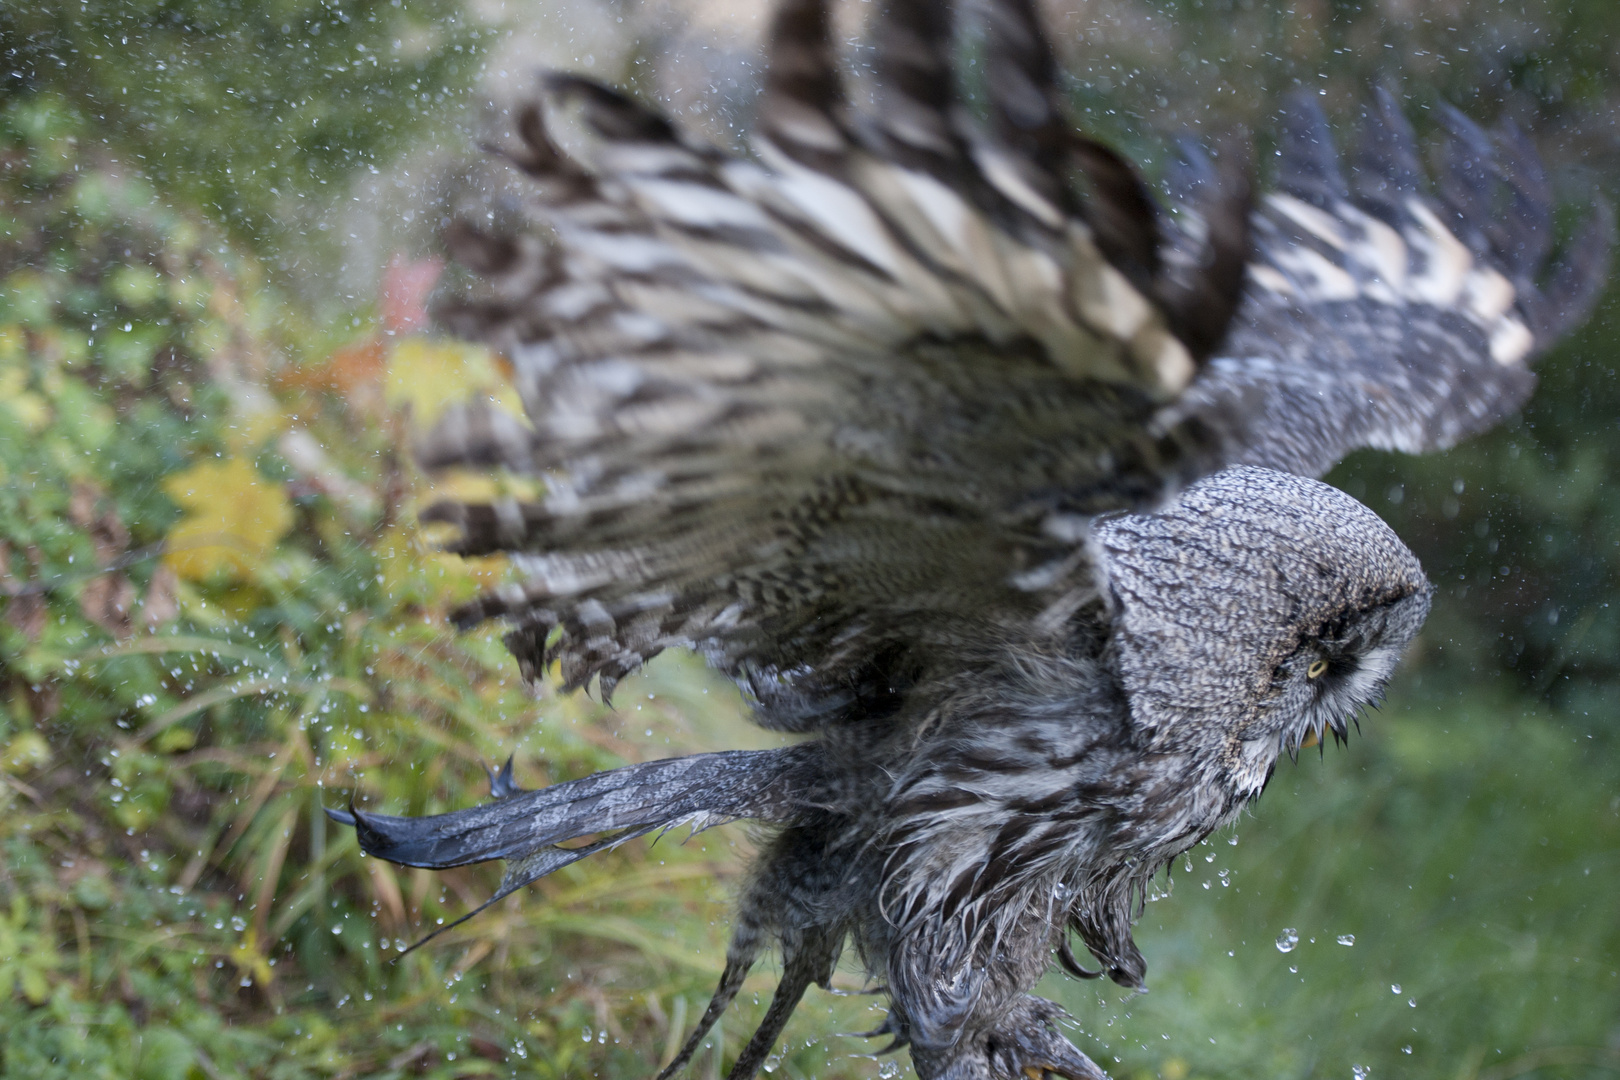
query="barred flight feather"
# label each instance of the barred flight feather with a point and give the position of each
(1382, 316)
(895, 424)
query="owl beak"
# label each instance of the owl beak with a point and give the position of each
(1312, 737)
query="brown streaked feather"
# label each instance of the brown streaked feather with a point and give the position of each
(915, 89)
(801, 105)
(1200, 282)
(1026, 113)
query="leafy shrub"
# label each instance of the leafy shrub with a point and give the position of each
(219, 617)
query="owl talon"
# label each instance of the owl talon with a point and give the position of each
(1025, 1045)
(1035, 1050)
(888, 1027)
(885, 1028)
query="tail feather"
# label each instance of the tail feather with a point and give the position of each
(810, 963)
(738, 963)
(527, 868)
(704, 789)
(525, 827)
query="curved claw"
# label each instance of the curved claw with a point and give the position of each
(1024, 1044)
(1034, 1049)
(1070, 964)
(888, 1027)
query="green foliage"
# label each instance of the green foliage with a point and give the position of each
(173, 901)
(241, 109)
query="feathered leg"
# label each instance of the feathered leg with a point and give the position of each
(809, 964)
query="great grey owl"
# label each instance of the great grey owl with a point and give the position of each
(964, 457)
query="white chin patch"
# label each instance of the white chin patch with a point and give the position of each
(1258, 756)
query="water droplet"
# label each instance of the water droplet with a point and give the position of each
(1347, 939)
(1394, 988)
(772, 1063)
(1407, 1049)
(586, 1034)
(1287, 939)
(601, 1037)
(889, 1070)
(1359, 1071)
(1412, 1002)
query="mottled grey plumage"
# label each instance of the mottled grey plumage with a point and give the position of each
(954, 467)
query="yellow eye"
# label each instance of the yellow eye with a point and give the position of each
(1317, 669)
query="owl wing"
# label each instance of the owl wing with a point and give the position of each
(1378, 314)
(804, 412)
(817, 414)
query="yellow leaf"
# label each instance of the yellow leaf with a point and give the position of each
(13, 344)
(24, 753)
(429, 375)
(233, 519)
(463, 485)
(412, 571)
(250, 959)
(13, 381)
(31, 409)
(34, 986)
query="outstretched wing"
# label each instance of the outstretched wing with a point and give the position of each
(1378, 314)
(805, 412)
(854, 403)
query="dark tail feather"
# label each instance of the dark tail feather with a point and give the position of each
(1308, 163)
(802, 100)
(739, 959)
(531, 867)
(801, 968)
(704, 789)
(1577, 280)
(524, 828)
(1201, 285)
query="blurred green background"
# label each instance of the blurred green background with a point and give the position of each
(217, 232)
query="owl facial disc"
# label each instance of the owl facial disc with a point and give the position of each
(1258, 607)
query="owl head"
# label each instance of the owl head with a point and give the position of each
(1255, 613)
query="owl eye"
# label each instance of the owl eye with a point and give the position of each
(1317, 669)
